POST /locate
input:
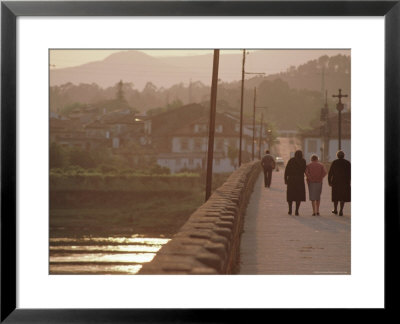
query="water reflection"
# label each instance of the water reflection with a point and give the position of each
(108, 248)
(121, 258)
(95, 269)
(105, 255)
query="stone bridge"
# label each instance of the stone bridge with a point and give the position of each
(244, 228)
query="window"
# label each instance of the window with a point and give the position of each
(312, 146)
(219, 145)
(233, 143)
(198, 128)
(197, 144)
(184, 144)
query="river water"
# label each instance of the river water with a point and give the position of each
(102, 255)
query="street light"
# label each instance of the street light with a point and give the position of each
(269, 139)
(325, 129)
(241, 106)
(260, 139)
(254, 121)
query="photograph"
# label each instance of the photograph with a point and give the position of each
(192, 161)
(199, 161)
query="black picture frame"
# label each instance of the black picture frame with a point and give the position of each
(10, 11)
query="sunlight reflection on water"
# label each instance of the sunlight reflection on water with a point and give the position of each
(108, 248)
(95, 269)
(112, 255)
(130, 240)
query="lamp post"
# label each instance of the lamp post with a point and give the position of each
(325, 130)
(241, 107)
(340, 107)
(259, 143)
(254, 122)
(269, 137)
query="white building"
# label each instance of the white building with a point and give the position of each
(189, 146)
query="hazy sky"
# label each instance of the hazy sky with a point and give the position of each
(68, 58)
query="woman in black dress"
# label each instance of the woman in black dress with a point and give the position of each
(339, 177)
(294, 179)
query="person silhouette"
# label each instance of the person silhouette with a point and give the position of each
(315, 173)
(339, 178)
(268, 164)
(294, 179)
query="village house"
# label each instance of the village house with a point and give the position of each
(188, 145)
(70, 133)
(106, 130)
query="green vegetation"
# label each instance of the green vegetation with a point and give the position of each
(97, 213)
(71, 160)
(101, 202)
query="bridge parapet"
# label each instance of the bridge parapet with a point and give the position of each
(208, 243)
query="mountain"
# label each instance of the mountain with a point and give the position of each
(139, 68)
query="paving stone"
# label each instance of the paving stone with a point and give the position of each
(274, 242)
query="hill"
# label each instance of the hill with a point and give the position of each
(139, 68)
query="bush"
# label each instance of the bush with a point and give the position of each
(157, 169)
(106, 168)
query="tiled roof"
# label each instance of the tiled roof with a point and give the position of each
(228, 127)
(119, 118)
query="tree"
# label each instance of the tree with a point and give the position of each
(120, 96)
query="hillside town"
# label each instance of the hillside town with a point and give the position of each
(176, 139)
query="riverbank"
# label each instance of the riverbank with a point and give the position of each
(154, 206)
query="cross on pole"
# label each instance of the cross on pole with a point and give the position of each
(340, 107)
(340, 96)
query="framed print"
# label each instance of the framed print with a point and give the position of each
(44, 44)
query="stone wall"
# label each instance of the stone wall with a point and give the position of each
(209, 242)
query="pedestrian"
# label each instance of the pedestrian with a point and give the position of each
(315, 173)
(268, 164)
(294, 179)
(339, 178)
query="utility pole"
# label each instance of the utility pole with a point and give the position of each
(254, 122)
(339, 108)
(241, 110)
(211, 130)
(261, 125)
(325, 129)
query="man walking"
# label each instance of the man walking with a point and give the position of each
(268, 164)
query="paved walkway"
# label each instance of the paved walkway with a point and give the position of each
(274, 242)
